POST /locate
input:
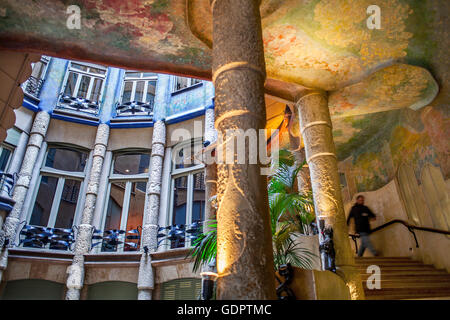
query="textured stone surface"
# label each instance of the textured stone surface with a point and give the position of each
(75, 279)
(37, 134)
(244, 246)
(315, 124)
(150, 228)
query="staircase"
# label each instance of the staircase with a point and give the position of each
(404, 278)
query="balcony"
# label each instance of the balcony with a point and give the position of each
(32, 87)
(135, 108)
(78, 106)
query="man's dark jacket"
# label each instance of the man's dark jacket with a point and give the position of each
(361, 214)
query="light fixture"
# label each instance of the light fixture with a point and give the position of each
(208, 280)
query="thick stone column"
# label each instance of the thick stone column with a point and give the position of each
(37, 135)
(316, 129)
(150, 229)
(244, 242)
(75, 272)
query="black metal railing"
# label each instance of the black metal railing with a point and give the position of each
(177, 234)
(78, 104)
(33, 86)
(44, 237)
(133, 108)
(410, 228)
(111, 240)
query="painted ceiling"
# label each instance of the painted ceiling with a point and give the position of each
(323, 44)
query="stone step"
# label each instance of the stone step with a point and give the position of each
(401, 268)
(412, 284)
(422, 296)
(402, 273)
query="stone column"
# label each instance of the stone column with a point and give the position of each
(316, 129)
(211, 167)
(150, 229)
(75, 272)
(37, 135)
(244, 242)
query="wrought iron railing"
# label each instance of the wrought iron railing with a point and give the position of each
(112, 240)
(177, 234)
(44, 237)
(133, 108)
(33, 86)
(78, 104)
(410, 228)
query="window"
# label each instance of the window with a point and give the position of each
(181, 289)
(138, 94)
(181, 82)
(85, 82)
(188, 189)
(34, 83)
(5, 156)
(126, 199)
(56, 200)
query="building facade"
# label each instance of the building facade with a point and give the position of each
(106, 161)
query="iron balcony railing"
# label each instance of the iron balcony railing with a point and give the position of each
(33, 86)
(134, 108)
(78, 104)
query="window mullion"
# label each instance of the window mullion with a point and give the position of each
(77, 85)
(133, 91)
(144, 93)
(56, 201)
(126, 206)
(189, 201)
(89, 91)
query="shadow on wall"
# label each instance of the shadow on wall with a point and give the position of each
(33, 289)
(426, 204)
(113, 290)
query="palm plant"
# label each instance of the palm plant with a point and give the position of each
(290, 213)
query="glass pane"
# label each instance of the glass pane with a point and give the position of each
(4, 157)
(133, 75)
(114, 212)
(84, 86)
(97, 70)
(38, 69)
(135, 213)
(185, 157)
(44, 201)
(96, 90)
(179, 207)
(198, 208)
(68, 204)
(71, 82)
(78, 66)
(151, 88)
(127, 91)
(131, 163)
(149, 74)
(66, 159)
(139, 91)
(181, 83)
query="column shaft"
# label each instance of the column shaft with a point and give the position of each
(244, 242)
(316, 128)
(12, 221)
(75, 279)
(151, 214)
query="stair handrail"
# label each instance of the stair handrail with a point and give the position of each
(410, 228)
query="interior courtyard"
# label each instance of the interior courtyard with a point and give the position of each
(139, 137)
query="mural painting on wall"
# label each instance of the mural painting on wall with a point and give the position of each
(377, 144)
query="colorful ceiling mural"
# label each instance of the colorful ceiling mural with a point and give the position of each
(322, 44)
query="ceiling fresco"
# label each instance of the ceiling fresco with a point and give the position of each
(323, 44)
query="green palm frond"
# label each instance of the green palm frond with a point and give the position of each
(204, 248)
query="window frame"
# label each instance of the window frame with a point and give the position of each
(190, 83)
(80, 74)
(135, 80)
(11, 149)
(176, 173)
(61, 175)
(128, 180)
